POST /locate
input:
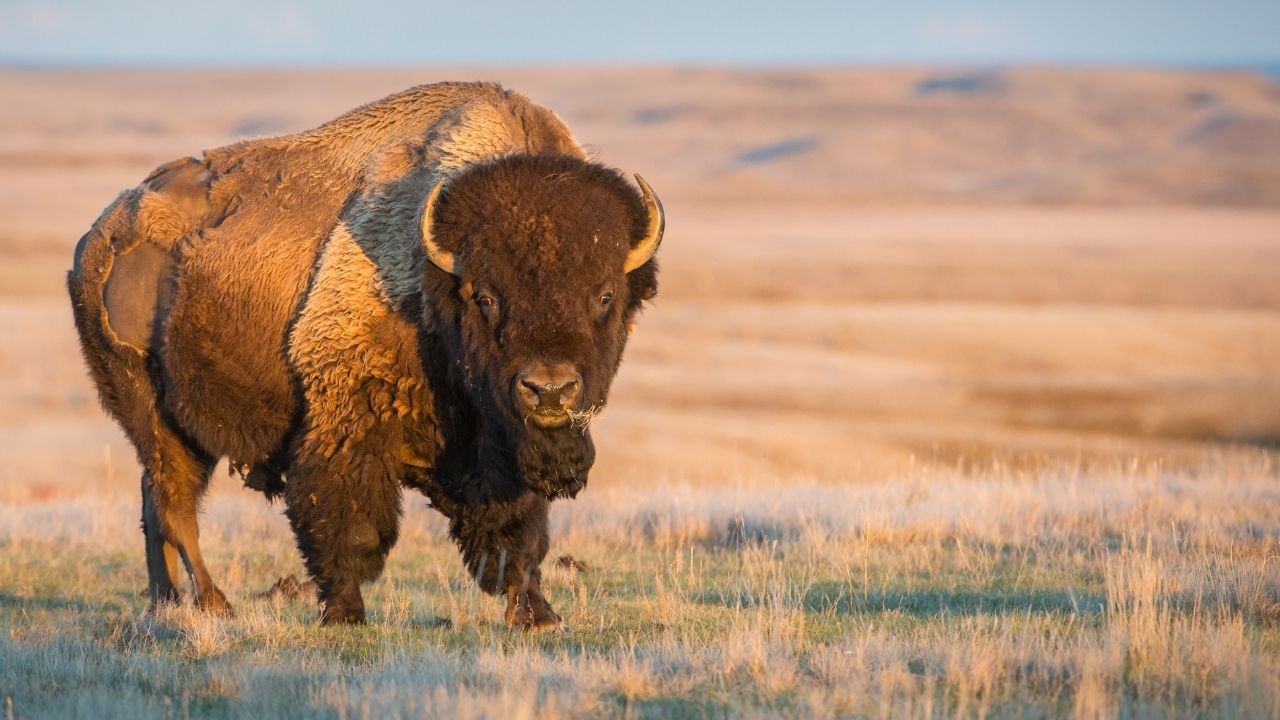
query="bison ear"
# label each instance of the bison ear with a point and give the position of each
(657, 221)
(438, 256)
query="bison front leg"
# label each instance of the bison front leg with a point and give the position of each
(503, 544)
(345, 512)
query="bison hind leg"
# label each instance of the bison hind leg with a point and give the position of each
(175, 480)
(164, 565)
(119, 288)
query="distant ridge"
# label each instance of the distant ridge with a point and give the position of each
(939, 134)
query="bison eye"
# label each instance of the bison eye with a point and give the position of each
(605, 299)
(484, 300)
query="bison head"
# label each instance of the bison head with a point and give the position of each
(548, 260)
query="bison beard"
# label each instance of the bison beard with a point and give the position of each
(555, 463)
(552, 462)
(297, 306)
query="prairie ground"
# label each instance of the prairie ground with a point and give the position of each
(1126, 590)
(961, 397)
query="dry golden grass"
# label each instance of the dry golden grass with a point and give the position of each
(1129, 590)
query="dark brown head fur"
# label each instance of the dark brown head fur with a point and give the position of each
(541, 243)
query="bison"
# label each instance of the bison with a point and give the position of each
(432, 291)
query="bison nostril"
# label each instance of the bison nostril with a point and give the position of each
(567, 393)
(550, 393)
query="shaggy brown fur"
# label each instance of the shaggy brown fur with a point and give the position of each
(271, 303)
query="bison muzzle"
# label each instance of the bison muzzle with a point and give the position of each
(432, 292)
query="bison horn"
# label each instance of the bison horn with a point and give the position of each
(641, 253)
(438, 256)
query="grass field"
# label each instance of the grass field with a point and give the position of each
(1066, 591)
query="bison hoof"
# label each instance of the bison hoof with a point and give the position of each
(214, 602)
(341, 615)
(532, 613)
(343, 608)
(161, 599)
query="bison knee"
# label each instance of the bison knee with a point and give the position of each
(359, 551)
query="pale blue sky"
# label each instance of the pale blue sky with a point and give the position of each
(749, 32)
